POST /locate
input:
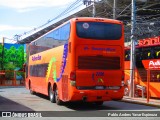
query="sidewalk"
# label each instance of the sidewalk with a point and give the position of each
(152, 102)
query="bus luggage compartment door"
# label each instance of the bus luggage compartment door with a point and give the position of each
(98, 80)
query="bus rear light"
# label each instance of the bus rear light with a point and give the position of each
(122, 83)
(73, 76)
(123, 76)
(73, 83)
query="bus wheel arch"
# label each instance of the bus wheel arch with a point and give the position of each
(57, 100)
(30, 88)
(54, 86)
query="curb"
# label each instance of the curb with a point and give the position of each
(140, 103)
(3, 87)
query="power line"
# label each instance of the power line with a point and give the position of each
(145, 25)
(60, 15)
(72, 5)
(74, 8)
(67, 10)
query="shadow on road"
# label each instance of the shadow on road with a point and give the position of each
(9, 105)
(108, 105)
(42, 96)
(82, 106)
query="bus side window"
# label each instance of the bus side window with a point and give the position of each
(127, 55)
(149, 55)
(145, 55)
(138, 56)
(152, 54)
(158, 54)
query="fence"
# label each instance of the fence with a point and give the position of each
(146, 83)
(12, 78)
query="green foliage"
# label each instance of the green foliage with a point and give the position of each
(1, 48)
(13, 58)
(9, 66)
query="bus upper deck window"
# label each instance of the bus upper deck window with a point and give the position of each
(158, 54)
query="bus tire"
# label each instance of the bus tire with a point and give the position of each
(58, 101)
(30, 89)
(51, 95)
(99, 103)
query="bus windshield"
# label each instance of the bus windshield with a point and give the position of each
(99, 30)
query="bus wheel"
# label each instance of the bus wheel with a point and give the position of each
(99, 103)
(58, 101)
(30, 89)
(52, 95)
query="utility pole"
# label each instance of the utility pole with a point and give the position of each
(87, 3)
(2, 62)
(114, 8)
(17, 37)
(132, 53)
(94, 9)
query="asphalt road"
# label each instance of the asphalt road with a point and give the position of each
(19, 99)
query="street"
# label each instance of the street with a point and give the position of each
(19, 99)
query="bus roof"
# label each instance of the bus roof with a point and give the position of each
(147, 42)
(97, 19)
(84, 19)
(142, 46)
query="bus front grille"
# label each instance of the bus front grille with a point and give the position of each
(98, 62)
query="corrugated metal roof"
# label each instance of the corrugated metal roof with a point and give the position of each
(104, 9)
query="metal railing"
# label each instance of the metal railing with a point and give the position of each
(146, 82)
(12, 78)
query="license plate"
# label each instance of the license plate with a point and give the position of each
(99, 87)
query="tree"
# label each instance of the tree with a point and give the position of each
(20, 57)
(1, 62)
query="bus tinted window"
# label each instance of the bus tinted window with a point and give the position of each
(38, 70)
(127, 55)
(61, 33)
(52, 39)
(157, 52)
(148, 53)
(144, 53)
(99, 30)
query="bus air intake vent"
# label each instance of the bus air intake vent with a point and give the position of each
(98, 62)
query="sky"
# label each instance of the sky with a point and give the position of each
(20, 16)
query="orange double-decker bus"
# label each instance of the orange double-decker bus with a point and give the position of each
(147, 68)
(81, 60)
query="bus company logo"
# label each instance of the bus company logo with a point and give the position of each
(155, 64)
(100, 80)
(86, 48)
(85, 25)
(104, 49)
(35, 58)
